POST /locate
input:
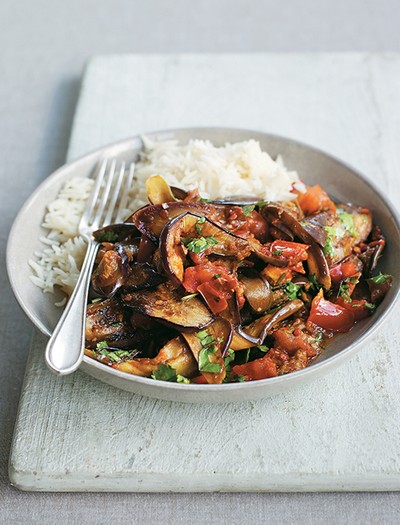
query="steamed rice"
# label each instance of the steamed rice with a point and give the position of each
(234, 169)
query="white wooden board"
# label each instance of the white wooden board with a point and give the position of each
(337, 433)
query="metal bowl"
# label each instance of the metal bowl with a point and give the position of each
(341, 181)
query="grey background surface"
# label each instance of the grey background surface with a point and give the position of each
(44, 46)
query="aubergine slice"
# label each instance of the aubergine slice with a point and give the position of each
(220, 334)
(175, 354)
(141, 276)
(191, 227)
(317, 262)
(150, 220)
(257, 290)
(146, 249)
(373, 251)
(108, 321)
(255, 333)
(166, 306)
(108, 277)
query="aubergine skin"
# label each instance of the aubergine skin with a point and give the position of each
(141, 276)
(150, 220)
(166, 305)
(107, 321)
(255, 333)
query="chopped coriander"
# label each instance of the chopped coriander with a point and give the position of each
(200, 220)
(370, 306)
(239, 378)
(164, 373)
(106, 236)
(277, 252)
(230, 356)
(248, 210)
(205, 200)
(263, 348)
(381, 278)
(209, 347)
(318, 337)
(114, 354)
(182, 379)
(260, 204)
(332, 232)
(200, 244)
(114, 357)
(347, 219)
(217, 276)
(314, 284)
(292, 290)
(344, 292)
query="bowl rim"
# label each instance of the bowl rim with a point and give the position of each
(293, 377)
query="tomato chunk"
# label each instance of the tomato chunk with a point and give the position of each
(342, 271)
(356, 307)
(314, 200)
(257, 369)
(330, 316)
(294, 252)
(215, 284)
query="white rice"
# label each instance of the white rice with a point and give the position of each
(234, 169)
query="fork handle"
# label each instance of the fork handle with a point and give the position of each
(65, 349)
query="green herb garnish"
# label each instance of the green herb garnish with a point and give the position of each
(205, 200)
(199, 244)
(208, 348)
(106, 236)
(113, 354)
(370, 306)
(318, 337)
(277, 252)
(314, 284)
(292, 290)
(332, 232)
(165, 373)
(381, 278)
(200, 220)
(347, 219)
(248, 209)
(217, 276)
(263, 348)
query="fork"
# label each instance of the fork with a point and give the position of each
(65, 349)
